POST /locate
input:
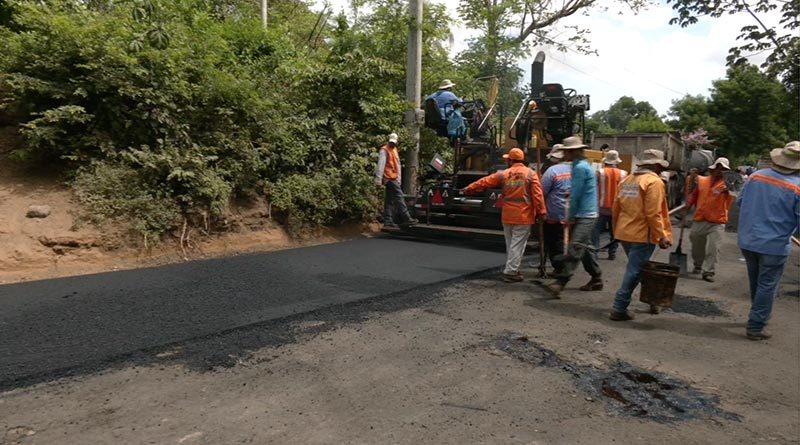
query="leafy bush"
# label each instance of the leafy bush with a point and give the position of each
(163, 108)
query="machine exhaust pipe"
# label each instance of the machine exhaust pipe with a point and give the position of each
(537, 74)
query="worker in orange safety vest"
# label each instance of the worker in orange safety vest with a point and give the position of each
(523, 205)
(641, 222)
(713, 200)
(387, 175)
(608, 179)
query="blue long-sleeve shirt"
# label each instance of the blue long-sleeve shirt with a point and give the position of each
(769, 212)
(583, 194)
(555, 186)
(444, 100)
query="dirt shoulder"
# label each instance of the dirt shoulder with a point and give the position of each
(473, 362)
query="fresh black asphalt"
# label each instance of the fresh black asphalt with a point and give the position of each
(52, 325)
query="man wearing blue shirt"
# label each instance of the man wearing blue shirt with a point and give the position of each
(582, 214)
(769, 215)
(555, 186)
(445, 99)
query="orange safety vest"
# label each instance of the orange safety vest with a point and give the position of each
(522, 196)
(712, 202)
(640, 213)
(608, 179)
(392, 163)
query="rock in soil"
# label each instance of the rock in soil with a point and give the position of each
(36, 211)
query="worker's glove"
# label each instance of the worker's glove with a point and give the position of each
(378, 182)
(540, 219)
(664, 243)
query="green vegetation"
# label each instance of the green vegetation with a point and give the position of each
(161, 110)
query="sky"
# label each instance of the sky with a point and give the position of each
(639, 55)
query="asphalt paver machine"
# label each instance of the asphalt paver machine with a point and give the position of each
(549, 114)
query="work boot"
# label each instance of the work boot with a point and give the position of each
(391, 226)
(757, 336)
(697, 270)
(655, 310)
(512, 278)
(596, 283)
(708, 276)
(554, 289)
(621, 316)
(411, 222)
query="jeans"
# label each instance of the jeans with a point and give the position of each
(516, 236)
(554, 242)
(393, 203)
(603, 224)
(764, 273)
(705, 238)
(580, 237)
(638, 255)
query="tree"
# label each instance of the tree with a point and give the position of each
(750, 105)
(781, 42)
(691, 113)
(647, 123)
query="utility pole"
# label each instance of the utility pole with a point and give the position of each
(413, 116)
(264, 13)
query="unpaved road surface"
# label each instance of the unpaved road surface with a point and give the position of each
(472, 361)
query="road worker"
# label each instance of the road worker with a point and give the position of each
(582, 216)
(555, 186)
(768, 217)
(388, 175)
(523, 205)
(641, 221)
(712, 198)
(608, 179)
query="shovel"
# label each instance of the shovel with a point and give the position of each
(678, 258)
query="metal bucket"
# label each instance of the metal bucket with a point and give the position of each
(658, 283)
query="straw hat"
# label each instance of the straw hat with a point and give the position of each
(447, 83)
(723, 162)
(788, 156)
(653, 157)
(612, 157)
(393, 138)
(515, 154)
(573, 143)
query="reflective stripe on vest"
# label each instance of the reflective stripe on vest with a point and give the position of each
(776, 182)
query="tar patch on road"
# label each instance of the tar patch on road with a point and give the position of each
(699, 307)
(627, 389)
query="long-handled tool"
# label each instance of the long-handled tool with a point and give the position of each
(678, 258)
(542, 256)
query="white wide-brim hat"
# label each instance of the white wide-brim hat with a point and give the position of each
(723, 162)
(653, 157)
(612, 157)
(788, 156)
(573, 143)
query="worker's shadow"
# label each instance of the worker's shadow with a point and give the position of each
(574, 307)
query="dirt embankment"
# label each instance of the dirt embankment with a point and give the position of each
(54, 246)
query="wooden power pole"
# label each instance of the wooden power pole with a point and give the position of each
(413, 117)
